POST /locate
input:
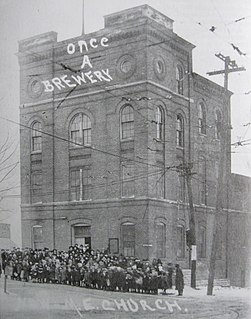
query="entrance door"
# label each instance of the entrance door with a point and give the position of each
(82, 235)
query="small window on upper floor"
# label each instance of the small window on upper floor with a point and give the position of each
(36, 137)
(218, 124)
(159, 123)
(127, 122)
(202, 118)
(179, 79)
(179, 131)
(80, 130)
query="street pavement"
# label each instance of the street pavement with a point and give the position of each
(49, 301)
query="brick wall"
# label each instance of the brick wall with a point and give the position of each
(142, 57)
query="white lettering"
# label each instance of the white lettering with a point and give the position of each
(106, 72)
(121, 304)
(57, 83)
(70, 48)
(86, 304)
(106, 304)
(145, 306)
(81, 43)
(103, 41)
(90, 77)
(133, 306)
(86, 60)
(48, 86)
(79, 78)
(92, 43)
(67, 82)
(100, 76)
(157, 304)
(171, 306)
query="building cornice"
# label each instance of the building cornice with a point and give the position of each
(108, 88)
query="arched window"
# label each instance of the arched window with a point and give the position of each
(179, 131)
(202, 242)
(218, 123)
(127, 122)
(159, 123)
(202, 118)
(37, 234)
(180, 230)
(36, 137)
(80, 130)
(160, 231)
(128, 239)
(179, 79)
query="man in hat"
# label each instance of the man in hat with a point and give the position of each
(179, 280)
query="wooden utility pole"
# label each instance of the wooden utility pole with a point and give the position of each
(230, 66)
(191, 235)
(192, 230)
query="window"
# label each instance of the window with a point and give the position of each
(36, 187)
(128, 239)
(160, 229)
(36, 137)
(82, 235)
(180, 241)
(218, 124)
(127, 123)
(179, 131)
(202, 118)
(80, 184)
(181, 188)
(202, 181)
(80, 130)
(113, 245)
(127, 180)
(202, 242)
(37, 232)
(159, 123)
(159, 186)
(179, 79)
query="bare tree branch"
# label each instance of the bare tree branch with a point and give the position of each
(8, 173)
(9, 156)
(6, 167)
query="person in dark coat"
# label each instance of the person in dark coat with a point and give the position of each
(170, 275)
(179, 280)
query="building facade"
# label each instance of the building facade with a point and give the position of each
(108, 121)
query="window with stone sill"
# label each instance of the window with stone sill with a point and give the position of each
(80, 184)
(202, 118)
(80, 130)
(127, 122)
(36, 137)
(179, 131)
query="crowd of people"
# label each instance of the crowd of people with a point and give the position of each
(82, 267)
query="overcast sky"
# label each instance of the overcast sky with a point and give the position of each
(20, 19)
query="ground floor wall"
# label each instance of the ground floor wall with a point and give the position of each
(141, 228)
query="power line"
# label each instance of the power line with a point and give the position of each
(78, 144)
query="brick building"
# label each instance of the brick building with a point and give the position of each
(119, 110)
